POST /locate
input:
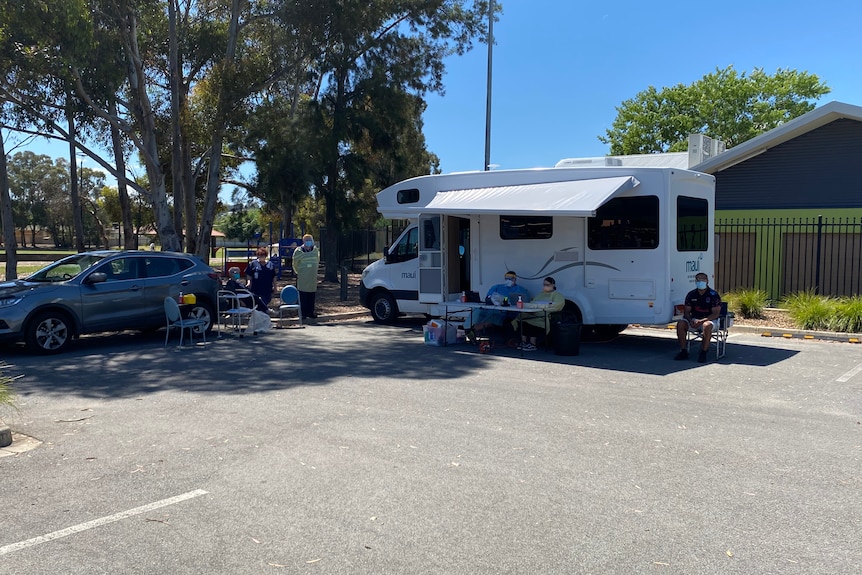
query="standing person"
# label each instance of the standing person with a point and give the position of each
(261, 279)
(702, 309)
(306, 260)
(536, 324)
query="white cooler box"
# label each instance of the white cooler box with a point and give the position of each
(433, 332)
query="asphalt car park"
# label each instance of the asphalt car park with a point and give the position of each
(355, 448)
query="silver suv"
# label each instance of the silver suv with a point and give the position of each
(102, 291)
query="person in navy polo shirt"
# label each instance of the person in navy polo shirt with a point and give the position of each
(702, 308)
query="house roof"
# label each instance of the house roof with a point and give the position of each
(814, 119)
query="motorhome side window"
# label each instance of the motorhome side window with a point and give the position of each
(692, 224)
(625, 224)
(407, 247)
(526, 227)
(407, 196)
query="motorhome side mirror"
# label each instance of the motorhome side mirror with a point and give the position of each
(386, 255)
(96, 278)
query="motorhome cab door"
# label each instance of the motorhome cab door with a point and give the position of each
(431, 259)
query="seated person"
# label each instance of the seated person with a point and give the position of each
(702, 309)
(234, 282)
(536, 324)
(509, 289)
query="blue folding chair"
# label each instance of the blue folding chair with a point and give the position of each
(289, 301)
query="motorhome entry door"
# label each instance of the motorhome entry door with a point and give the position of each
(431, 259)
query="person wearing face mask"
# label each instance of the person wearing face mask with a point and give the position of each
(233, 281)
(702, 308)
(510, 290)
(536, 324)
(306, 260)
(261, 279)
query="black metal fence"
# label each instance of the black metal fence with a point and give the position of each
(787, 255)
(357, 249)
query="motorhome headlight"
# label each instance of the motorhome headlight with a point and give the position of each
(9, 300)
(364, 273)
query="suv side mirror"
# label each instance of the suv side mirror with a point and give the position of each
(96, 278)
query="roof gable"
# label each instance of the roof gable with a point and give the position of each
(794, 128)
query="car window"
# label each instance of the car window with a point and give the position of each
(66, 268)
(119, 269)
(162, 266)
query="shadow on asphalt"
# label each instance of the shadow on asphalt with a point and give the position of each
(130, 363)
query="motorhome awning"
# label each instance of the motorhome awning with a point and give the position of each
(569, 198)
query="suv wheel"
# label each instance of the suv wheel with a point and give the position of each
(204, 311)
(49, 332)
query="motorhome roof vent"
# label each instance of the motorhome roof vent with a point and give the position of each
(588, 162)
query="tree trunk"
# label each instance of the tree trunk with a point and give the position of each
(145, 117)
(177, 180)
(77, 216)
(6, 217)
(214, 173)
(130, 237)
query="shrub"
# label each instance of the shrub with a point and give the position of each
(809, 310)
(848, 315)
(749, 303)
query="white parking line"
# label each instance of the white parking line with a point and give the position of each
(99, 522)
(849, 374)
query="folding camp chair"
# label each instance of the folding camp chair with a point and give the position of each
(719, 333)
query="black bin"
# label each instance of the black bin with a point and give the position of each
(566, 338)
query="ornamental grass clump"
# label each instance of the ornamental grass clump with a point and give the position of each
(809, 310)
(7, 396)
(848, 315)
(749, 303)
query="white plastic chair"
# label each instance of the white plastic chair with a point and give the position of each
(289, 300)
(175, 319)
(719, 334)
(237, 310)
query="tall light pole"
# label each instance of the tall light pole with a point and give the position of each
(488, 101)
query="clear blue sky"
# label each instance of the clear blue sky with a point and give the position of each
(561, 67)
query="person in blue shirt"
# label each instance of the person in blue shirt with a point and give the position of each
(261, 279)
(702, 309)
(509, 291)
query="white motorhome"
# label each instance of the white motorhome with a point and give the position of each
(623, 243)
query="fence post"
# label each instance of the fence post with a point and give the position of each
(343, 283)
(817, 255)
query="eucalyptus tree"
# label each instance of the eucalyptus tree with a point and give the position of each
(369, 55)
(727, 105)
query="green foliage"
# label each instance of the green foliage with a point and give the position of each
(848, 315)
(749, 303)
(726, 105)
(809, 310)
(7, 396)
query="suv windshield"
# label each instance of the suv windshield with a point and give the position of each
(66, 269)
